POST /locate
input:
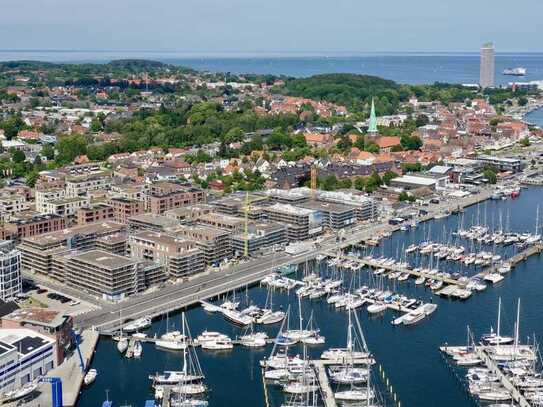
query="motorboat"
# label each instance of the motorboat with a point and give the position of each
(210, 336)
(376, 308)
(90, 377)
(237, 318)
(171, 344)
(348, 375)
(299, 387)
(138, 349)
(270, 317)
(420, 280)
(172, 377)
(122, 344)
(254, 340)
(354, 394)
(218, 344)
(136, 325)
(20, 393)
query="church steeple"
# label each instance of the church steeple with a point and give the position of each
(372, 127)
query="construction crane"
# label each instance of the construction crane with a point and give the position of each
(313, 182)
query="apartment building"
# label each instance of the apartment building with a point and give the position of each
(46, 195)
(215, 243)
(179, 256)
(10, 271)
(65, 206)
(94, 213)
(147, 221)
(79, 185)
(164, 196)
(103, 274)
(230, 223)
(260, 235)
(26, 225)
(11, 204)
(38, 251)
(189, 213)
(302, 223)
(334, 216)
(125, 208)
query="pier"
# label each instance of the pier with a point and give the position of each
(326, 390)
(491, 364)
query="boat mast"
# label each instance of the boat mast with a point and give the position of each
(499, 321)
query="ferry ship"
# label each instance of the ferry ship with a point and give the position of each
(515, 71)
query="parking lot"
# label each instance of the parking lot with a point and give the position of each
(38, 295)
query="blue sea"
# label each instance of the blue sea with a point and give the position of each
(410, 68)
(409, 356)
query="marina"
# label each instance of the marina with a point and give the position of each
(522, 272)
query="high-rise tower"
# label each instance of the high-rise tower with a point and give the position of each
(486, 79)
(372, 126)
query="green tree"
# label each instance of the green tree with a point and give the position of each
(48, 151)
(360, 183)
(388, 176)
(17, 156)
(490, 175)
(525, 142)
(70, 147)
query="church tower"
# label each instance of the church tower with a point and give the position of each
(372, 127)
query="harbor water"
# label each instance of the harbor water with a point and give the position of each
(411, 68)
(409, 355)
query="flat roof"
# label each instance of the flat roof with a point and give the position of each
(326, 206)
(22, 340)
(40, 316)
(158, 220)
(411, 179)
(290, 209)
(87, 229)
(103, 259)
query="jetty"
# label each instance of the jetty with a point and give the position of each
(324, 383)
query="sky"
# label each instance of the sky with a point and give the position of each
(271, 26)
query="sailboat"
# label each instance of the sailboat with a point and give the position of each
(316, 338)
(300, 333)
(268, 316)
(21, 392)
(122, 344)
(349, 352)
(493, 338)
(253, 339)
(191, 372)
(172, 340)
(354, 375)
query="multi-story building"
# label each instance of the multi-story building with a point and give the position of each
(334, 216)
(125, 208)
(94, 213)
(65, 206)
(259, 235)
(10, 271)
(487, 69)
(79, 185)
(164, 196)
(147, 221)
(21, 366)
(25, 225)
(46, 195)
(38, 251)
(215, 243)
(116, 243)
(50, 323)
(103, 274)
(188, 213)
(230, 223)
(11, 204)
(180, 257)
(301, 223)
